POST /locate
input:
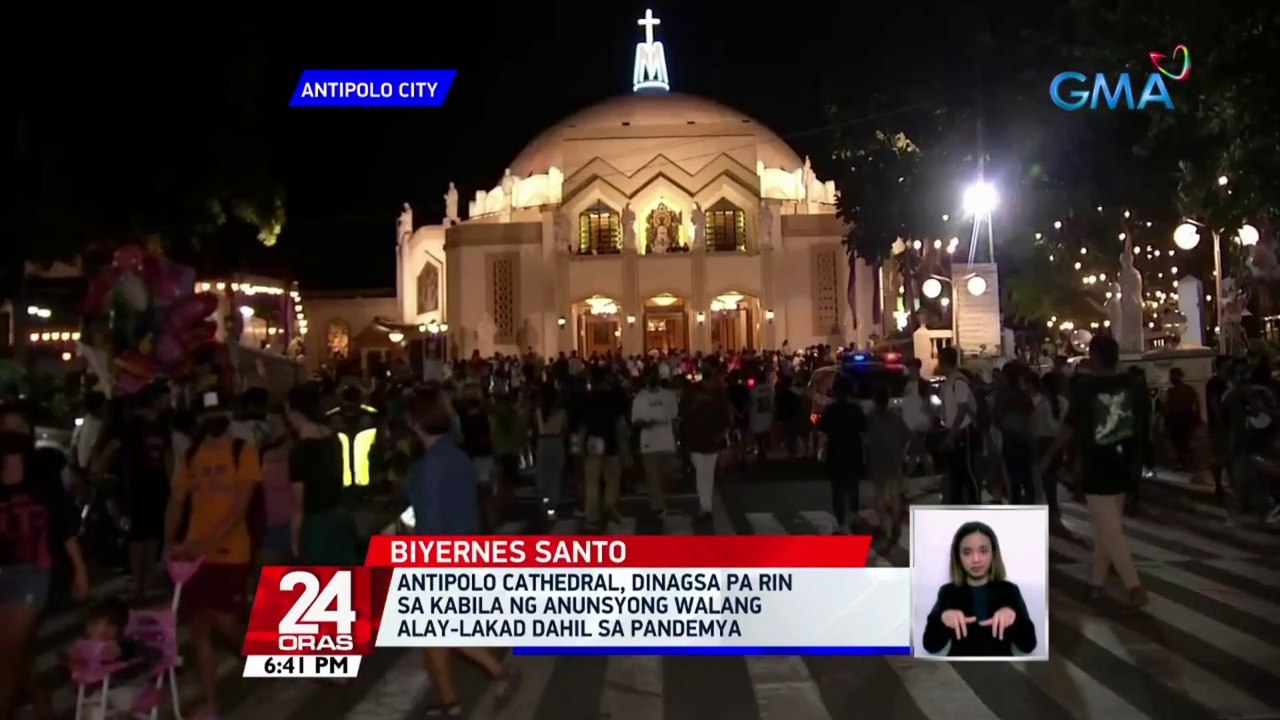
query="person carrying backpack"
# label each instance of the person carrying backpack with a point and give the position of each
(961, 421)
(218, 480)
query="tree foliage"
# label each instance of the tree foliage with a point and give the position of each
(1070, 182)
(158, 134)
(1225, 122)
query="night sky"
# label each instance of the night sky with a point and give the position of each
(521, 68)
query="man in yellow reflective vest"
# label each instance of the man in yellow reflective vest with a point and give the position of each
(356, 425)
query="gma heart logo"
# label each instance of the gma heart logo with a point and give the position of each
(1159, 60)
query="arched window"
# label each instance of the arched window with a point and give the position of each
(338, 338)
(599, 230)
(726, 227)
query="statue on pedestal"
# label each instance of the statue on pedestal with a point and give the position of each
(1132, 336)
(508, 190)
(404, 225)
(1191, 306)
(807, 179)
(628, 228)
(1114, 314)
(699, 226)
(563, 239)
(451, 205)
(485, 330)
(766, 224)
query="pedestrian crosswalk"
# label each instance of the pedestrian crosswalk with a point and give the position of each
(1207, 646)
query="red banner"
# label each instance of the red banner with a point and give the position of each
(317, 611)
(670, 551)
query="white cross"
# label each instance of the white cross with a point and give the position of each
(648, 22)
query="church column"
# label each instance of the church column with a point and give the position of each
(846, 311)
(864, 297)
(631, 305)
(768, 298)
(699, 332)
(548, 310)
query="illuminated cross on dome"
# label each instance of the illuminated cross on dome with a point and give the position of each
(651, 61)
(648, 22)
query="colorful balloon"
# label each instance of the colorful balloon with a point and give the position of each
(184, 278)
(134, 291)
(130, 257)
(191, 308)
(95, 297)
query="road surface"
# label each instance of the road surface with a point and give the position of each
(1208, 645)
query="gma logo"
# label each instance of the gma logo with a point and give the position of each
(1078, 93)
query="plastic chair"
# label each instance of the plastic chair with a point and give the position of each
(157, 632)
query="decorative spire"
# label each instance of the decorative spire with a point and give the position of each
(651, 62)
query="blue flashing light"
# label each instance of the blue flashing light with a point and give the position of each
(860, 357)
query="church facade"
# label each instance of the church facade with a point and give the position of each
(650, 221)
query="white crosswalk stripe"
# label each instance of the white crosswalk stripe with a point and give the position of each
(1206, 647)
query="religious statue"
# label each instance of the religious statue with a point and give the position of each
(628, 228)
(485, 331)
(555, 183)
(766, 224)
(404, 226)
(1132, 337)
(807, 178)
(508, 190)
(1112, 308)
(699, 226)
(563, 240)
(451, 205)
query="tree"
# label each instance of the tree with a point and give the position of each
(1053, 169)
(1224, 123)
(160, 136)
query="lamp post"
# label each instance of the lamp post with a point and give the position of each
(1187, 237)
(979, 202)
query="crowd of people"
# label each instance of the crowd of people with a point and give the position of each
(241, 481)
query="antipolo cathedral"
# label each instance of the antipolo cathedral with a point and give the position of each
(650, 221)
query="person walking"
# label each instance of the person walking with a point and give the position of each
(1107, 420)
(442, 489)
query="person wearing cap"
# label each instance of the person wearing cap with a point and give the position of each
(217, 478)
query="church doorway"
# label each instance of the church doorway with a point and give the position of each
(735, 322)
(599, 327)
(666, 324)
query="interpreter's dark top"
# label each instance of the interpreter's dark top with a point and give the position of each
(980, 603)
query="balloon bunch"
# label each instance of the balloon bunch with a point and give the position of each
(142, 313)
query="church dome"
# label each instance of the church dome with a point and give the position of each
(641, 110)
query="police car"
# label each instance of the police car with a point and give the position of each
(868, 371)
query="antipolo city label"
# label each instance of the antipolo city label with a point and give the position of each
(372, 88)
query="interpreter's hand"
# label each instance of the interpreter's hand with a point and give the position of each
(958, 622)
(1001, 621)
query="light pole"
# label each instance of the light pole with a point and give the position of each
(1187, 237)
(979, 202)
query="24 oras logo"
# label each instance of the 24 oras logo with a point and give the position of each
(1121, 92)
(299, 629)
